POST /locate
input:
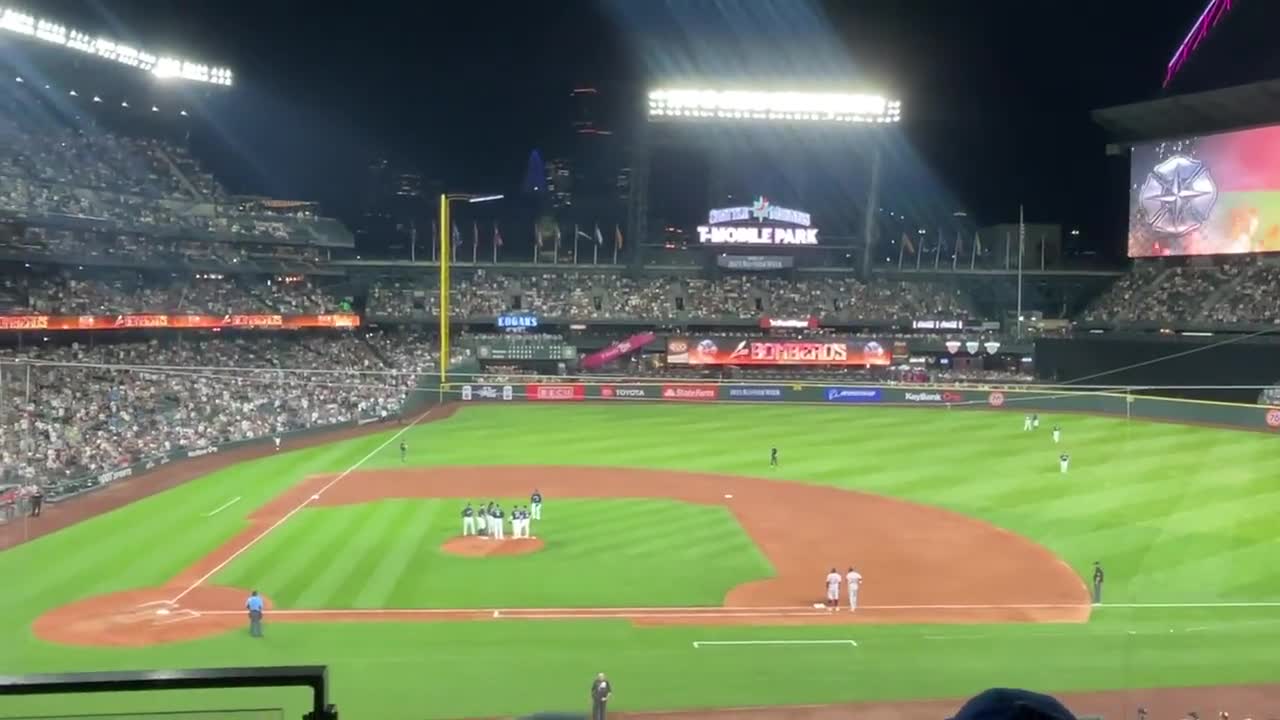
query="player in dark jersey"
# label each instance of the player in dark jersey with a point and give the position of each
(404, 448)
(1098, 576)
(773, 457)
(535, 505)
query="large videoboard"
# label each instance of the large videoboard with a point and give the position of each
(1210, 195)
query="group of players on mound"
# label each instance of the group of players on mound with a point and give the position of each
(489, 521)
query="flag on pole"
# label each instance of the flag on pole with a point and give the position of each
(435, 239)
(497, 241)
(578, 233)
(475, 240)
(595, 251)
(556, 258)
(537, 236)
(599, 237)
(455, 238)
(906, 243)
(617, 243)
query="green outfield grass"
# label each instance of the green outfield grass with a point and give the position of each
(386, 554)
(1179, 515)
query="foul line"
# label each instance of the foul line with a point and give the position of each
(699, 643)
(302, 505)
(708, 611)
(228, 504)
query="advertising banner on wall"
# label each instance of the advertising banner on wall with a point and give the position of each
(627, 392)
(487, 392)
(755, 392)
(690, 392)
(635, 343)
(722, 351)
(139, 322)
(555, 391)
(853, 395)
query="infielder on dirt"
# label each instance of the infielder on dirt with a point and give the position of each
(535, 505)
(833, 590)
(853, 579)
(482, 522)
(468, 520)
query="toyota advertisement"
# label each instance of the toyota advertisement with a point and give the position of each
(1210, 195)
(724, 351)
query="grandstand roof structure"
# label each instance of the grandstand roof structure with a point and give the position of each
(1193, 114)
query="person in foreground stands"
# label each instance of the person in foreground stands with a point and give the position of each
(601, 691)
(254, 606)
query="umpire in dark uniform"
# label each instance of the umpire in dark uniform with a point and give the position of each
(37, 500)
(1097, 583)
(601, 690)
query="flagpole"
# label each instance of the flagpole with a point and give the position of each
(1041, 252)
(555, 259)
(973, 251)
(475, 241)
(902, 247)
(413, 241)
(575, 243)
(1007, 242)
(918, 251)
(937, 251)
(537, 242)
(495, 243)
(955, 252)
(595, 254)
(435, 237)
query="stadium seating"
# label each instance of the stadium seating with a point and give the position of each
(76, 417)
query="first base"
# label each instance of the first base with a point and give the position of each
(315, 497)
(162, 611)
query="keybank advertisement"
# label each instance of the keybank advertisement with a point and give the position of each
(754, 392)
(854, 395)
(723, 351)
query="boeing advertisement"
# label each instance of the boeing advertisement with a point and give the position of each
(1210, 195)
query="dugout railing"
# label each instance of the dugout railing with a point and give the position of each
(313, 677)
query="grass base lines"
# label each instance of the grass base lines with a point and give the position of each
(222, 507)
(924, 575)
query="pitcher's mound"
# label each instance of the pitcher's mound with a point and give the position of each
(480, 547)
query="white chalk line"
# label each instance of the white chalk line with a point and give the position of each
(226, 505)
(301, 506)
(697, 644)
(719, 611)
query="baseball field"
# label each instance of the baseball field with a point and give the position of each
(673, 557)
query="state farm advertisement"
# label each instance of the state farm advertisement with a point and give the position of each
(554, 391)
(723, 351)
(689, 393)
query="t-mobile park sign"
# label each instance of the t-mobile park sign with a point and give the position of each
(773, 226)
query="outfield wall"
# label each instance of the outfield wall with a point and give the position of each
(1016, 399)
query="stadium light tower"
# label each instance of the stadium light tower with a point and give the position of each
(446, 251)
(686, 105)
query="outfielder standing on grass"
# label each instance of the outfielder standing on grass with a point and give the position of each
(404, 448)
(1097, 583)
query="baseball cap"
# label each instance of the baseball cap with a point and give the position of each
(1011, 704)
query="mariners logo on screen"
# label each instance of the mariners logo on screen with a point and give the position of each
(1178, 195)
(760, 208)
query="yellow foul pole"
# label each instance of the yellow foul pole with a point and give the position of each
(445, 249)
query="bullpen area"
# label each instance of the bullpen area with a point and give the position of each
(673, 554)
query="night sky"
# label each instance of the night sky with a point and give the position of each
(996, 93)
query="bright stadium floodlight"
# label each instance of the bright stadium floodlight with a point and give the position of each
(21, 23)
(787, 106)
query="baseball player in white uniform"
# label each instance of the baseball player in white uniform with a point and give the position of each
(525, 522)
(833, 590)
(468, 520)
(1063, 460)
(1026, 423)
(499, 532)
(482, 521)
(535, 505)
(517, 522)
(1057, 434)
(853, 579)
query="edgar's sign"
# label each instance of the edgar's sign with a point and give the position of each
(773, 226)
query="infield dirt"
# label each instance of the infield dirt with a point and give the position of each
(917, 560)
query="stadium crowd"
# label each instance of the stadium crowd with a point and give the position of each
(71, 410)
(1234, 290)
(110, 292)
(610, 296)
